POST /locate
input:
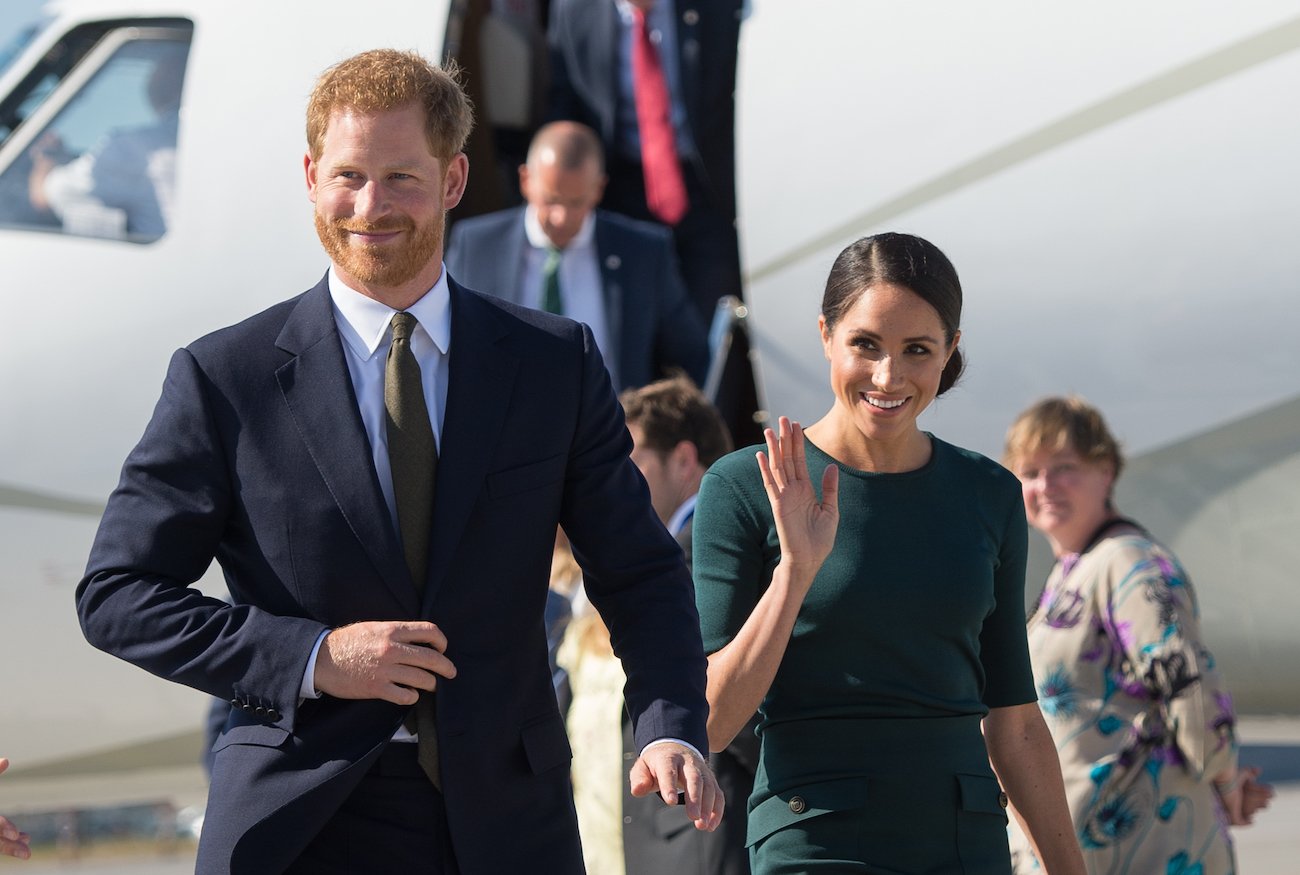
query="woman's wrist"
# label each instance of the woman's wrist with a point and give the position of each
(1225, 786)
(799, 574)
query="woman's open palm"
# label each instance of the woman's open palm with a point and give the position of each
(805, 526)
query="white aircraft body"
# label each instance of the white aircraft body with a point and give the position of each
(1117, 185)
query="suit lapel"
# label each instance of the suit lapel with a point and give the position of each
(318, 390)
(480, 380)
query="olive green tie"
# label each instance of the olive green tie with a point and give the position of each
(413, 461)
(551, 301)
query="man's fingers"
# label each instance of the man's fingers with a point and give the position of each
(666, 775)
(641, 778)
(373, 660)
(695, 787)
(426, 659)
(420, 632)
(704, 799)
(411, 678)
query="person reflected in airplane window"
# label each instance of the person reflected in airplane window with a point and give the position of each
(1143, 722)
(860, 585)
(13, 841)
(561, 254)
(657, 80)
(124, 186)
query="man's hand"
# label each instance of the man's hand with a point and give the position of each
(668, 767)
(387, 660)
(13, 843)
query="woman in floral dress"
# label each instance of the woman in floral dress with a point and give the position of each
(1140, 716)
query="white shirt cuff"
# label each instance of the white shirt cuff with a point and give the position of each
(308, 688)
(686, 744)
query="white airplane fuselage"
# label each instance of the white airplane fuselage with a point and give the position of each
(1121, 204)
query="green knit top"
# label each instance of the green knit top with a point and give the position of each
(917, 612)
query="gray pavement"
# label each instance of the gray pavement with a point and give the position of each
(1270, 847)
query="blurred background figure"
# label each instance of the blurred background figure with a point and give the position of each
(656, 80)
(124, 185)
(559, 253)
(676, 435)
(1143, 723)
(565, 586)
(13, 842)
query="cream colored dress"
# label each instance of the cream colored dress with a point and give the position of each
(596, 734)
(1139, 715)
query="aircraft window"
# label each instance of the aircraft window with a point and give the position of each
(58, 62)
(100, 158)
(19, 41)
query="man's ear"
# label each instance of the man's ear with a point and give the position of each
(309, 169)
(684, 457)
(455, 180)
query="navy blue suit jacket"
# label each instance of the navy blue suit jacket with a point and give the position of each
(256, 455)
(584, 39)
(652, 324)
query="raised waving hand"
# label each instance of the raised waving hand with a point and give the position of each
(805, 525)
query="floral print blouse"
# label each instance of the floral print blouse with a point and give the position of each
(1139, 714)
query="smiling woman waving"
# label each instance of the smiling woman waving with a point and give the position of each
(876, 622)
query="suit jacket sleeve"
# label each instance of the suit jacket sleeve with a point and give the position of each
(633, 570)
(682, 337)
(162, 527)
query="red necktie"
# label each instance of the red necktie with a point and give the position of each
(665, 191)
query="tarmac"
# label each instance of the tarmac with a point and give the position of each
(1271, 846)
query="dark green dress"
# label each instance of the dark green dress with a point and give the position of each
(872, 758)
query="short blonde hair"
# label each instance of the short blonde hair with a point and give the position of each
(1062, 423)
(386, 79)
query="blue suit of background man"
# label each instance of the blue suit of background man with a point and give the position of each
(652, 325)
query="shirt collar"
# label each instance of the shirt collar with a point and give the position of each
(678, 520)
(538, 240)
(364, 321)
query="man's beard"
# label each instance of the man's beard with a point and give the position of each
(385, 264)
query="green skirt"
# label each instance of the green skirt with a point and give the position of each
(911, 796)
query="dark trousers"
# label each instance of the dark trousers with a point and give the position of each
(394, 822)
(708, 251)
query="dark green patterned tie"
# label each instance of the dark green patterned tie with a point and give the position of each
(413, 460)
(551, 301)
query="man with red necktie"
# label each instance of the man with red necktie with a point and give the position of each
(656, 79)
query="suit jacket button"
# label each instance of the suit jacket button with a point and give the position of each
(798, 805)
(272, 715)
(1002, 799)
(235, 703)
(246, 706)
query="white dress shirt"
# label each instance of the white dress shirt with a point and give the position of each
(363, 325)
